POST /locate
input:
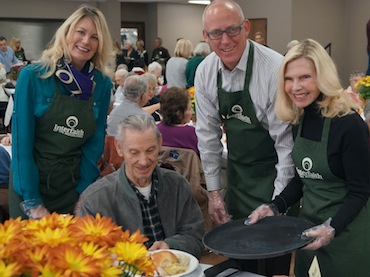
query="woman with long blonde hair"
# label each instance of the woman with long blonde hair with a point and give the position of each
(332, 159)
(59, 118)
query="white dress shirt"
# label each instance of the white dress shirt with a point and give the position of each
(262, 89)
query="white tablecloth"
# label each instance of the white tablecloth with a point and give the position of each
(199, 272)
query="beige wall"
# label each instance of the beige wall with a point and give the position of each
(179, 20)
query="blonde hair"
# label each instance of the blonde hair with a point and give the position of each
(334, 102)
(184, 48)
(104, 56)
(12, 43)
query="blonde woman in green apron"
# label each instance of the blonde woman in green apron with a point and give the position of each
(332, 158)
(59, 119)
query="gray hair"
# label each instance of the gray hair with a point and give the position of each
(137, 122)
(202, 49)
(135, 86)
(152, 80)
(122, 72)
(152, 67)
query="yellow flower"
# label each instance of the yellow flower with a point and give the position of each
(135, 237)
(100, 230)
(94, 250)
(11, 269)
(363, 87)
(134, 254)
(107, 270)
(10, 230)
(51, 237)
(73, 262)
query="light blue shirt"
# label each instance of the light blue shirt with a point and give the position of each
(8, 58)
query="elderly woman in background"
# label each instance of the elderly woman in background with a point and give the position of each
(332, 159)
(155, 68)
(59, 117)
(176, 66)
(130, 54)
(152, 106)
(201, 51)
(176, 112)
(143, 60)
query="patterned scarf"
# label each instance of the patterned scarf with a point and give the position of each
(79, 83)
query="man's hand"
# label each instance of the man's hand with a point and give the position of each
(159, 245)
(217, 208)
(323, 234)
(260, 212)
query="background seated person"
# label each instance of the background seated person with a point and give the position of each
(140, 195)
(135, 92)
(156, 69)
(119, 79)
(176, 112)
(152, 106)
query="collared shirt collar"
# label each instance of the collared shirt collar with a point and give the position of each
(242, 64)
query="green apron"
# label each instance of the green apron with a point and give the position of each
(323, 195)
(251, 154)
(60, 134)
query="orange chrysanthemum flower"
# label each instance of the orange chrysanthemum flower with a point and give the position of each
(65, 246)
(100, 230)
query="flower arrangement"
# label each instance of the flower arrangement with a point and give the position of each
(363, 87)
(63, 245)
(191, 92)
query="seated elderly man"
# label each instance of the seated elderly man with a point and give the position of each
(141, 195)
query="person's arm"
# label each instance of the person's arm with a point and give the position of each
(355, 163)
(2, 72)
(31, 96)
(146, 58)
(152, 108)
(208, 129)
(281, 133)
(189, 230)
(93, 148)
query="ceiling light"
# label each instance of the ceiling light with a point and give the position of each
(201, 2)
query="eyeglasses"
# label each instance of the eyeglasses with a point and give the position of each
(231, 32)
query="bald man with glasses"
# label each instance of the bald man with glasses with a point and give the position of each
(235, 87)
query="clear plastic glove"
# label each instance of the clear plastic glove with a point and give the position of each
(217, 208)
(260, 212)
(38, 212)
(323, 234)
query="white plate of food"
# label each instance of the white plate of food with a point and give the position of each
(174, 263)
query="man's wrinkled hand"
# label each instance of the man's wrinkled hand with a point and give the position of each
(159, 245)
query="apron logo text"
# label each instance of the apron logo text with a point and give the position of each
(238, 114)
(70, 131)
(306, 173)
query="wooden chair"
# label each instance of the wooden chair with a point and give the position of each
(188, 164)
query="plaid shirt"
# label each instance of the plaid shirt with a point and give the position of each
(152, 225)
